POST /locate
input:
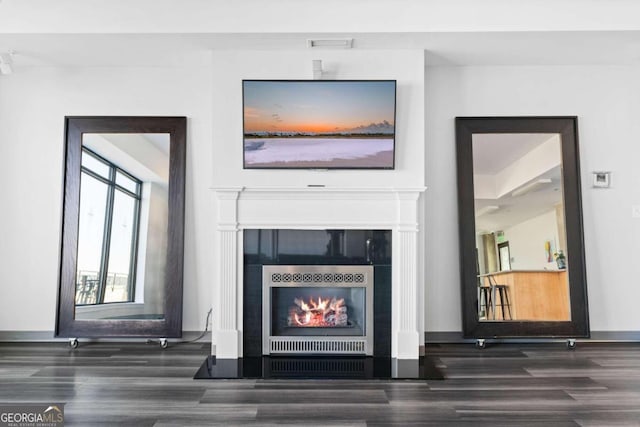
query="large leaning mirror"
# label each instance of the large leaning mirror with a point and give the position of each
(522, 257)
(123, 226)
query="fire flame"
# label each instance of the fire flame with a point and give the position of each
(329, 312)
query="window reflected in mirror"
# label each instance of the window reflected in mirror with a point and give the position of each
(521, 245)
(123, 227)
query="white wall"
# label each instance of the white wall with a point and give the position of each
(32, 109)
(231, 67)
(33, 103)
(606, 101)
(527, 240)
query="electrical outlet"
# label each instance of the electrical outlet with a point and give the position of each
(635, 211)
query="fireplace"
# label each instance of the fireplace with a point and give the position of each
(324, 309)
(237, 287)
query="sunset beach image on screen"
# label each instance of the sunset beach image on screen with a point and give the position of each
(319, 124)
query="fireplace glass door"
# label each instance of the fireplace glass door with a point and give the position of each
(313, 311)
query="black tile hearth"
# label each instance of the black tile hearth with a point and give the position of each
(310, 367)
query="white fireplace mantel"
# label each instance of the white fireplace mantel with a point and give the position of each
(314, 208)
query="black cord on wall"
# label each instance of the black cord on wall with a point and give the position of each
(206, 329)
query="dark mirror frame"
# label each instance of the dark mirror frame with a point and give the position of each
(171, 325)
(567, 127)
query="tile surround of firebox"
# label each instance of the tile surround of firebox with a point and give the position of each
(301, 208)
(318, 252)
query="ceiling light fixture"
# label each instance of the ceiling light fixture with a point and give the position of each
(486, 210)
(534, 185)
(6, 62)
(330, 43)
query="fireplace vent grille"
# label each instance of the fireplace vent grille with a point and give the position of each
(318, 277)
(298, 368)
(286, 345)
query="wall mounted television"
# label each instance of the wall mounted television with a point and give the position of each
(319, 124)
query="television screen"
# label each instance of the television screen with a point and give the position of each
(319, 124)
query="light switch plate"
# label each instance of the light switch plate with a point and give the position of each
(635, 211)
(601, 179)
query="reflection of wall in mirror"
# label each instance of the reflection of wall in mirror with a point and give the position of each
(491, 255)
(527, 242)
(562, 231)
(152, 251)
(480, 255)
(487, 252)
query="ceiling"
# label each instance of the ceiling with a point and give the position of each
(143, 155)
(492, 154)
(442, 48)
(515, 210)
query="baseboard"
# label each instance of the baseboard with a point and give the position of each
(33, 336)
(430, 337)
(596, 336)
(444, 337)
(631, 336)
(48, 336)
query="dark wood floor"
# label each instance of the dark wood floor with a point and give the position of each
(502, 385)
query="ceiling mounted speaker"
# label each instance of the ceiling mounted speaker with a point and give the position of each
(331, 43)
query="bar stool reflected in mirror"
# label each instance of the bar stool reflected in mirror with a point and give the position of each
(484, 301)
(504, 302)
(493, 296)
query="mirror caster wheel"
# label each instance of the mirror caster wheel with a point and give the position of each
(480, 343)
(73, 342)
(571, 344)
(164, 343)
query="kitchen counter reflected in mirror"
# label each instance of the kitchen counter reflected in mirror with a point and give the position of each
(522, 258)
(123, 227)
